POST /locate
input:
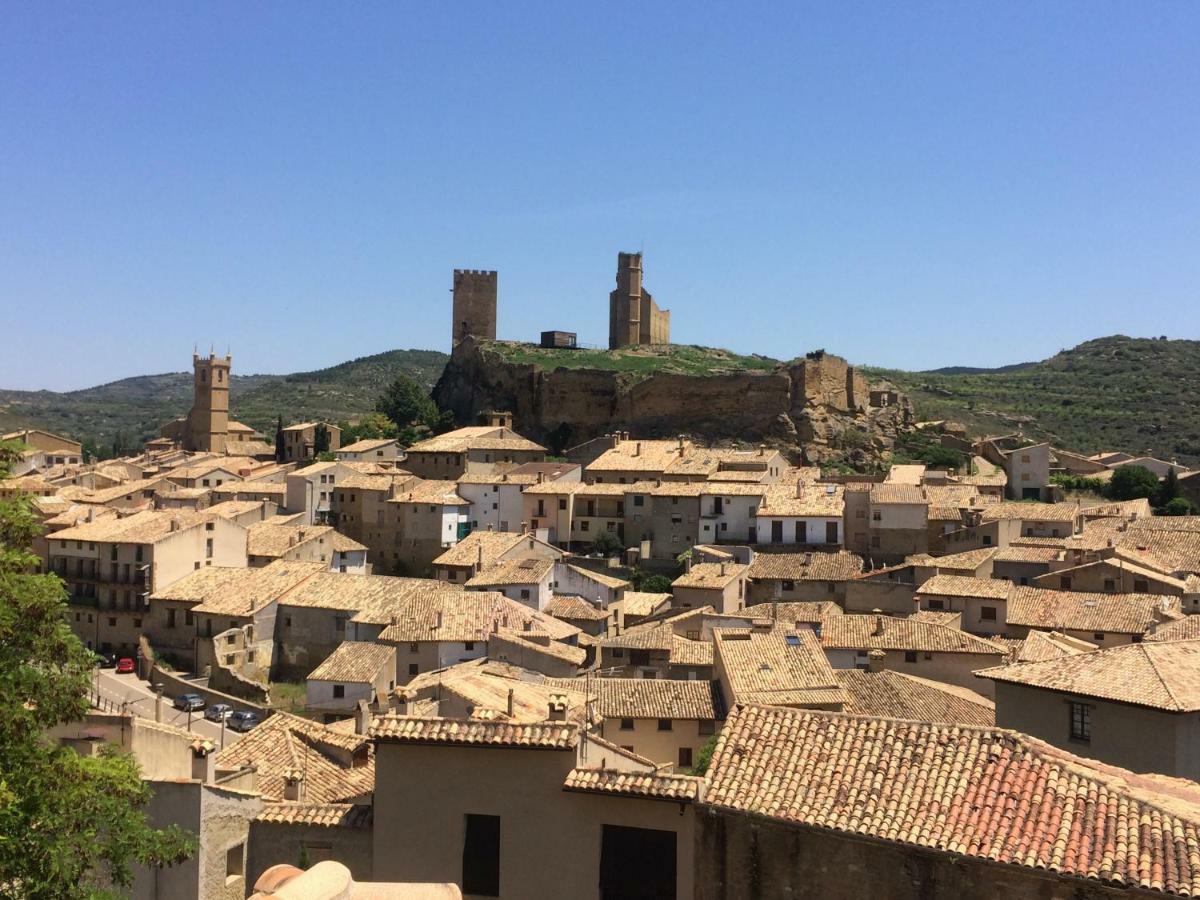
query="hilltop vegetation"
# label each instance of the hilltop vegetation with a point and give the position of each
(1113, 393)
(134, 408)
(681, 359)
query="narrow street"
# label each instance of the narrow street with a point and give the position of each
(139, 699)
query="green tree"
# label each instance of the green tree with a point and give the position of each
(704, 756)
(607, 543)
(1132, 483)
(373, 426)
(320, 439)
(1169, 489)
(70, 826)
(406, 403)
(1179, 506)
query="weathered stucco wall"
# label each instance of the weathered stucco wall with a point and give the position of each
(742, 856)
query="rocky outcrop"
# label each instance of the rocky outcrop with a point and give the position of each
(818, 407)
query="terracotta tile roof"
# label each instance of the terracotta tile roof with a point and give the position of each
(1056, 542)
(325, 815)
(840, 565)
(466, 552)
(608, 581)
(438, 493)
(871, 632)
(964, 563)
(979, 792)
(639, 456)
(257, 488)
(650, 698)
(1031, 511)
(372, 598)
(685, 652)
(146, 527)
(710, 575)
(1161, 675)
(355, 662)
(1184, 629)
(1160, 547)
(540, 643)
(1051, 610)
(898, 493)
(335, 766)
(484, 685)
(896, 695)
(232, 591)
(966, 586)
(366, 445)
(652, 785)
(905, 473)
(1043, 645)
(777, 668)
(272, 539)
(1015, 553)
(478, 437)
(641, 603)
(789, 612)
(464, 616)
(939, 617)
(571, 607)
(530, 570)
(527, 735)
(803, 500)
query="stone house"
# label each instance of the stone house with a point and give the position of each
(1103, 619)
(377, 450)
(299, 440)
(719, 585)
(983, 602)
(573, 514)
(666, 515)
(898, 516)
(1135, 706)
(477, 448)
(354, 672)
(808, 575)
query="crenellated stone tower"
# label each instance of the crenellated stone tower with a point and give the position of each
(474, 305)
(633, 316)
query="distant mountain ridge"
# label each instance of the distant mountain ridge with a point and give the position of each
(1111, 393)
(135, 407)
(1117, 392)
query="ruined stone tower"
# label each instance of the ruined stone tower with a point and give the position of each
(208, 421)
(474, 305)
(633, 316)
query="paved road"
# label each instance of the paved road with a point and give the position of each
(122, 689)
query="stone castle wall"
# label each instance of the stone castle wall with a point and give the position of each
(796, 404)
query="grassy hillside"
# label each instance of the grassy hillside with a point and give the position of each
(683, 359)
(1118, 393)
(137, 406)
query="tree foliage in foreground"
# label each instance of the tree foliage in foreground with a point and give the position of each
(70, 826)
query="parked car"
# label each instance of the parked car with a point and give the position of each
(106, 660)
(218, 712)
(242, 721)
(189, 702)
(125, 666)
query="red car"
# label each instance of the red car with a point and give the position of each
(124, 665)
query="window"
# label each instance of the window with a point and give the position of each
(468, 645)
(1081, 722)
(910, 656)
(664, 724)
(413, 669)
(562, 502)
(584, 525)
(1139, 586)
(618, 652)
(1064, 582)
(1110, 585)
(937, 604)
(1099, 635)
(875, 540)
(413, 647)
(339, 691)
(987, 613)
(524, 593)
(481, 856)
(877, 515)
(639, 500)
(685, 757)
(693, 635)
(706, 726)
(831, 532)
(235, 859)
(627, 724)
(987, 540)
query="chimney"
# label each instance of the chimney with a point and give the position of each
(722, 570)
(174, 524)
(762, 449)
(557, 708)
(876, 661)
(158, 702)
(637, 449)
(541, 477)
(681, 445)
(490, 527)
(878, 613)
(524, 527)
(362, 718)
(203, 761)
(293, 785)
(479, 557)
(510, 702)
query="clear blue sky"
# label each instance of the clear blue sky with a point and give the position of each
(904, 184)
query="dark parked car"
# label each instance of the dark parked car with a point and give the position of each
(189, 702)
(125, 666)
(106, 660)
(242, 721)
(218, 711)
